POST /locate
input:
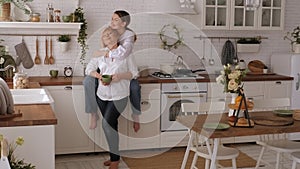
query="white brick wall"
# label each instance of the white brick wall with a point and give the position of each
(147, 52)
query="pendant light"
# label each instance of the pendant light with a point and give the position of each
(251, 5)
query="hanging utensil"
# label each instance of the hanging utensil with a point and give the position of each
(51, 58)
(203, 57)
(46, 61)
(211, 60)
(37, 59)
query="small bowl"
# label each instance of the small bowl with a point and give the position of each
(106, 79)
(66, 18)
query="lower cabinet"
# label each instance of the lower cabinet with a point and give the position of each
(149, 134)
(71, 132)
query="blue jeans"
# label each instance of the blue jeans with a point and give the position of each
(90, 88)
(111, 111)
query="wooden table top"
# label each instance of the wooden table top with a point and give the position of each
(196, 122)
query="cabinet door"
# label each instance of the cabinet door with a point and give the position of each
(216, 14)
(271, 15)
(278, 89)
(70, 135)
(242, 19)
(149, 134)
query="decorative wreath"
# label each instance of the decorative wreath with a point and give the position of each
(165, 45)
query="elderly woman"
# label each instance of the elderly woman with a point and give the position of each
(112, 97)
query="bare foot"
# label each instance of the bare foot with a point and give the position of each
(93, 122)
(107, 163)
(114, 165)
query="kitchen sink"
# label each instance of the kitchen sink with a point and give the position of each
(31, 96)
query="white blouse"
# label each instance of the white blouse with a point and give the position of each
(125, 48)
(115, 90)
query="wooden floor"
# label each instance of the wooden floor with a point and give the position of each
(93, 161)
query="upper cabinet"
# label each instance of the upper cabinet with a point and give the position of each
(232, 15)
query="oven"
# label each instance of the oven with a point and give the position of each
(173, 94)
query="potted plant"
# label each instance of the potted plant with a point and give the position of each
(294, 38)
(64, 42)
(82, 36)
(5, 8)
(248, 44)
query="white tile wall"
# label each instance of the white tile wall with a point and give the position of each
(147, 49)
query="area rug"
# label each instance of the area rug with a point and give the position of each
(172, 160)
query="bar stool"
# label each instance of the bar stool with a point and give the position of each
(296, 159)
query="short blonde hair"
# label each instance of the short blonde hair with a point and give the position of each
(113, 31)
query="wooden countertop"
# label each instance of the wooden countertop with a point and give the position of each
(77, 80)
(38, 114)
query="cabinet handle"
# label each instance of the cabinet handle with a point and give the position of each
(144, 103)
(278, 82)
(68, 88)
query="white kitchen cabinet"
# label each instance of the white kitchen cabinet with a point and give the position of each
(216, 14)
(70, 135)
(232, 15)
(38, 147)
(240, 18)
(149, 134)
(277, 89)
(271, 15)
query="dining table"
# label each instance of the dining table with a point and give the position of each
(268, 123)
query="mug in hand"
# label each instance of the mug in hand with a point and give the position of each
(106, 79)
(53, 73)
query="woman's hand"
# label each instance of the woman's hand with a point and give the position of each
(115, 78)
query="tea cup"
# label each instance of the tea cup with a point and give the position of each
(53, 73)
(106, 79)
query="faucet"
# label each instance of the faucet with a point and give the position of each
(7, 67)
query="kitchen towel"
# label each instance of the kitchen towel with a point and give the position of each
(228, 53)
(23, 55)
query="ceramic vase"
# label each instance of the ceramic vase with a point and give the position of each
(64, 46)
(233, 97)
(296, 48)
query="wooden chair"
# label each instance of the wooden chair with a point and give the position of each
(202, 146)
(276, 142)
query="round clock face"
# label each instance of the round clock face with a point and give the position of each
(68, 72)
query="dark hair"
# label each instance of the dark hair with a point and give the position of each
(125, 17)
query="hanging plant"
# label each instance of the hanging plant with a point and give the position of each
(82, 36)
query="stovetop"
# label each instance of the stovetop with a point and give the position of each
(161, 75)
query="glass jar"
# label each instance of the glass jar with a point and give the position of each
(35, 17)
(20, 81)
(49, 13)
(57, 15)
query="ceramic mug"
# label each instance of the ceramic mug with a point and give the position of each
(106, 79)
(53, 73)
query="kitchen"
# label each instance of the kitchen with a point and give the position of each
(147, 49)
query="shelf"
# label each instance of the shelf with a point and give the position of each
(38, 28)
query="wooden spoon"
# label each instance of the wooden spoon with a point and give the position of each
(37, 59)
(46, 61)
(51, 58)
